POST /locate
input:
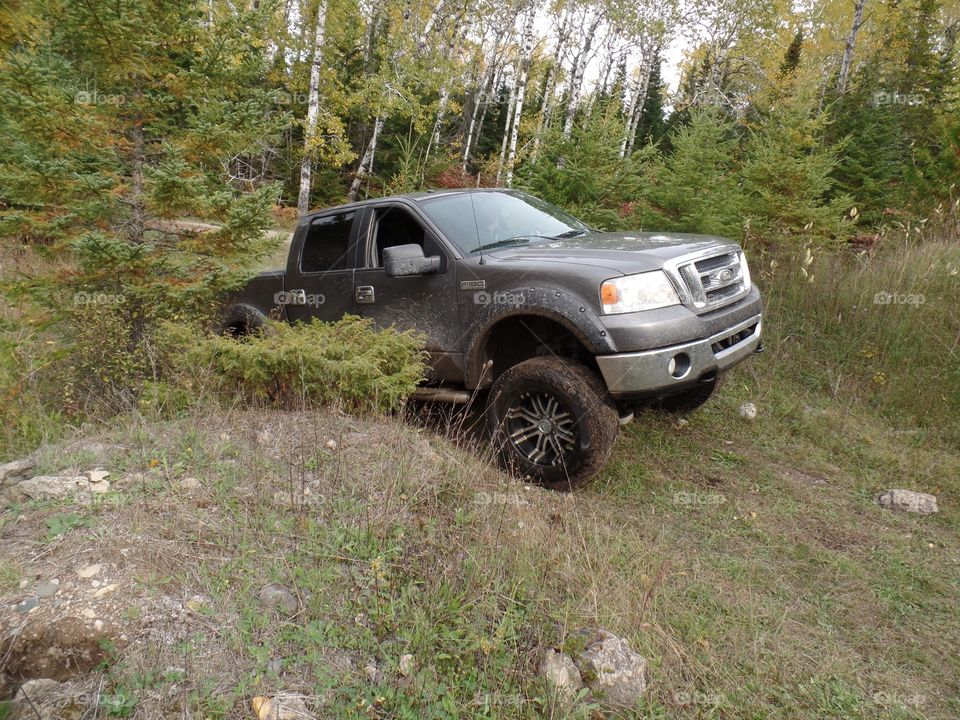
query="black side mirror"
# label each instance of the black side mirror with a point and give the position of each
(406, 260)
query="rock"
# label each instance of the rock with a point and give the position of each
(89, 571)
(561, 674)
(105, 590)
(27, 604)
(908, 501)
(47, 589)
(406, 665)
(89, 614)
(275, 666)
(39, 699)
(282, 706)
(279, 597)
(332, 445)
(616, 673)
(16, 470)
(96, 476)
(373, 672)
(52, 487)
(190, 483)
(748, 411)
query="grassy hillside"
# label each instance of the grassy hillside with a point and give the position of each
(747, 560)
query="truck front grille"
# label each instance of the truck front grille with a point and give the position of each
(709, 282)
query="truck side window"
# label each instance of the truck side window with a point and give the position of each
(327, 244)
(394, 226)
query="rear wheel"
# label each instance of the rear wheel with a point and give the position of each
(551, 419)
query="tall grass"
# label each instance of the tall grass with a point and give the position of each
(879, 329)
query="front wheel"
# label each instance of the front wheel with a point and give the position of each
(552, 419)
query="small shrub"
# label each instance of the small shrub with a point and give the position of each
(348, 362)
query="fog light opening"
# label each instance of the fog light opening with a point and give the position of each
(679, 365)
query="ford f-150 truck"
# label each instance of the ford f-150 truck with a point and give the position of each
(564, 329)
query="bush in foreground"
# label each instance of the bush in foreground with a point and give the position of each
(348, 362)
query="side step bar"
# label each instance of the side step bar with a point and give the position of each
(445, 395)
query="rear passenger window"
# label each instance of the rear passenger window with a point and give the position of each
(327, 243)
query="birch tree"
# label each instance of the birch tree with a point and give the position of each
(579, 67)
(522, 75)
(313, 111)
(847, 59)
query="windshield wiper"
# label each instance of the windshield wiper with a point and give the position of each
(570, 234)
(518, 240)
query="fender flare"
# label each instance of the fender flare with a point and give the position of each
(555, 304)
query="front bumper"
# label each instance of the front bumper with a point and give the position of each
(671, 369)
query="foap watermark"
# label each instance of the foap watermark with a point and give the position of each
(298, 297)
(884, 98)
(695, 499)
(695, 697)
(96, 298)
(499, 498)
(892, 699)
(92, 97)
(282, 97)
(500, 297)
(897, 298)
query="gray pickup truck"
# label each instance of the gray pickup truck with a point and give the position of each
(565, 329)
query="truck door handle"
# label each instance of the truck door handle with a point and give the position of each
(364, 295)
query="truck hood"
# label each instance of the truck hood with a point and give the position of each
(622, 252)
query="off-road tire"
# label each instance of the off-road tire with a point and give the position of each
(552, 388)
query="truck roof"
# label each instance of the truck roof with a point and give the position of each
(415, 196)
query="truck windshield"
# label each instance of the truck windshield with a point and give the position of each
(476, 221)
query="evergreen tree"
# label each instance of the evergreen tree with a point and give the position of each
(786, 176)
(120, 117)
(695, 187)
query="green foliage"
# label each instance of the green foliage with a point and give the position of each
(346, 362)
(585, 173)
(787, 179)
(695, 188)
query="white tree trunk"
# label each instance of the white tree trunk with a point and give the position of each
(847, 60)
(637, 100)
(482, 90)
(313, 111)
(546, 106)
(576, 76)
(522, 75)
(506, 130)
(366, 163)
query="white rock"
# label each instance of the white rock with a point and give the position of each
(89, 571)
(561, 674)
(190, 483)
(53, 487)
(406, 665)
(96, 476)
(332, 445)
(106, 590)
(16, 470)
(748, 411)
(619, 675)
(282, 706)
(908, 501)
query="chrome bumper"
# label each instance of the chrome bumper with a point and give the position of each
(678, 365)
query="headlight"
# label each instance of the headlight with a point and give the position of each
(631, 293)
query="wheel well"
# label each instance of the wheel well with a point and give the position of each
(520, 338)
